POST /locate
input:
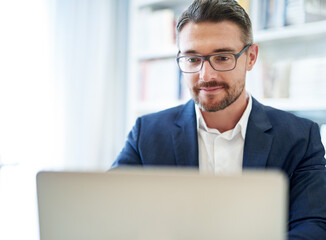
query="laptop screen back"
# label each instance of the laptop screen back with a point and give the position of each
(162, 204)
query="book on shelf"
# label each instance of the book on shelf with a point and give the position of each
(307, 78)
(315, 10)
(254, 83)
(269, 13)
(155, 32)
(276, 79)
(266, 14)
(290, 79)
(303, 11)
(159, 80)
(245, 4)
(295, 12)
(276, 14)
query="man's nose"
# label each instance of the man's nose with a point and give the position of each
(207, 72)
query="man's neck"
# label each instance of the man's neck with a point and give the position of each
(227, 118)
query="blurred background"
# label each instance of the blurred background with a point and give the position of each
(63, 68)
(75, 74)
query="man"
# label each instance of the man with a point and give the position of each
(223, 129)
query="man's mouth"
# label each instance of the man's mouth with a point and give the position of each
(210, 89)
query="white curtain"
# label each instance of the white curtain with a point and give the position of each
(61, 82)
(62, 99)
(26, 89)
(91, 103)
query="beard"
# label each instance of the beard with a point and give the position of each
(211, 105)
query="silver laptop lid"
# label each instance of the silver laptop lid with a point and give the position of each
(162, 204)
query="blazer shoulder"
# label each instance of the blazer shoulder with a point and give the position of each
(170, 114)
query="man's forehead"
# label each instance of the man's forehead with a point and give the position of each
(210, 27)
(209, 37)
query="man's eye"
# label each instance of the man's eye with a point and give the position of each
(193, 60)
(223, 58)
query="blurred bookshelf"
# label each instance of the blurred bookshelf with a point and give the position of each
(290, 73)
(304, 31)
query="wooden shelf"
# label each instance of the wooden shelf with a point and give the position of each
(306, 30)
(295, 104)
(158, 54)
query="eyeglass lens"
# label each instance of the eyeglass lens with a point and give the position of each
(220, 62)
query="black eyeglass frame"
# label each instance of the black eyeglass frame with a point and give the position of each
(207, 58)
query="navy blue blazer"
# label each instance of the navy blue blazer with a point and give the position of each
(274, 139)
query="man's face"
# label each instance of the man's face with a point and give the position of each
(213, 90)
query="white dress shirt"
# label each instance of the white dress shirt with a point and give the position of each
(221, 152)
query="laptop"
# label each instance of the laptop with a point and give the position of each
(162, 204)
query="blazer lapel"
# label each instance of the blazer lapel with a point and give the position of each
(185, 137)
(258, 140)
(257, 143)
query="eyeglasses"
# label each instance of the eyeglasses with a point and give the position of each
(220, 62)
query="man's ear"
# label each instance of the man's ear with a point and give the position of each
(252, 56)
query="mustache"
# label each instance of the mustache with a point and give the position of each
(211, 84)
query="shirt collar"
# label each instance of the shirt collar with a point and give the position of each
(241, 126)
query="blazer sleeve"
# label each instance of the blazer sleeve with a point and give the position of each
(130, 153)
(307, 209)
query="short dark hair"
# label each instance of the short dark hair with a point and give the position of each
(217, 11)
